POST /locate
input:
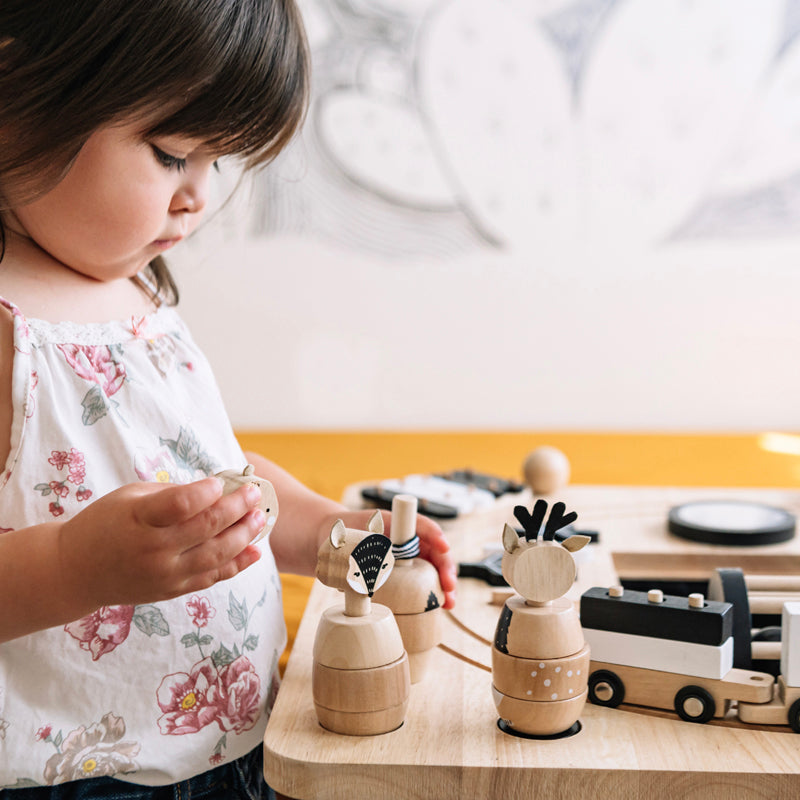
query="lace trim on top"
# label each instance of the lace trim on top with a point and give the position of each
(162, 321)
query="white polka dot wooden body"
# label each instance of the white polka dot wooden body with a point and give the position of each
(540, 662)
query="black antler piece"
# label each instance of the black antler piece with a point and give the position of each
(531, 523)
(558, 520)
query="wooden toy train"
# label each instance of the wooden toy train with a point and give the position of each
(671, 652)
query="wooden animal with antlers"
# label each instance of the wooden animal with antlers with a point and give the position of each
(360, 678)
(540, 662)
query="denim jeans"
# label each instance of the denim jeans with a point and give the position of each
(239, 780)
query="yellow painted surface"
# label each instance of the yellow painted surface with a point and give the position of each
(329, 462)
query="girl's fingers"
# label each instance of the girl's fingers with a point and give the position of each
(213, 555)
(224, 514)
(175, 504)
(212, 514)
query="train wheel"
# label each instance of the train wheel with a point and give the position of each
(794, 716)
(606, 688)
(694, 704)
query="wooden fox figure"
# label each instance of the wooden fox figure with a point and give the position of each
(360, 679)
(540, 661)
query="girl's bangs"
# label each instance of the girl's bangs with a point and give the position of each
(247, 94)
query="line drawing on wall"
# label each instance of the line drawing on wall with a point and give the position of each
(440, 127)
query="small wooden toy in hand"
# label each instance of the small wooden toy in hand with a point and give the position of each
(360, 679)
(234, 479)
(540, 662)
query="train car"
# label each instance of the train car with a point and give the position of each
(670, 652)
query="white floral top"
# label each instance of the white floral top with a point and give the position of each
(153, 693)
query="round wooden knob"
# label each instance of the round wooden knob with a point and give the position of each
(546, 470)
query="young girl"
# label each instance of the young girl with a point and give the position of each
(140, 624)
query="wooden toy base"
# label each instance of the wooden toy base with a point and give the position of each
(364, 723)
(630, 751)
(536, 717)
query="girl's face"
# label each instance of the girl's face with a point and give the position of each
(125, 200)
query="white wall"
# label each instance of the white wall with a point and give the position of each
(483, 229)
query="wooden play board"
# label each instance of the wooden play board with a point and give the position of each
(450, 745)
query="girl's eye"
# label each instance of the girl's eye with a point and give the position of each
(168, 161)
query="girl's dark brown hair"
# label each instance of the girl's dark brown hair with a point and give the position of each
(232, 73)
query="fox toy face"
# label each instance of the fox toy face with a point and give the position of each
(359, 561)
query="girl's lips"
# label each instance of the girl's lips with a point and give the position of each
(165, 244)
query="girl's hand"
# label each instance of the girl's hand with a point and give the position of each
(433, 546)
(147, 542)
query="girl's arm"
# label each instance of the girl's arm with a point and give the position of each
(305, 519)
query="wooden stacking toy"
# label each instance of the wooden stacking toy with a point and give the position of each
(540, 662)
(233, 479)
(413, 591)
(360, 679)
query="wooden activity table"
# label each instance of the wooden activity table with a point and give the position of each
(450, 745)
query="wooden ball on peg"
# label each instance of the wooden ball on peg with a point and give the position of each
(546, 470)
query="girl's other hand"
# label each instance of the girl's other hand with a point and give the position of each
(147, 542)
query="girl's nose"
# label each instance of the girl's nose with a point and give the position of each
(192, 195)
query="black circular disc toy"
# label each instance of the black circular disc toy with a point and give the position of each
(731, 522)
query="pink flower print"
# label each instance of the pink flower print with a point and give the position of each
(58, 458)
(43, 734)
(185, 700)
(103, 630)
(216, 759)
(138, 327)
(93, 752)
(59, 488)
(96, 365)
(77, 466)
(237, 694)
(75, 460)
(160, 468)
(200, 610)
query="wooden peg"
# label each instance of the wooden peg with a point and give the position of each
(413, 591)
